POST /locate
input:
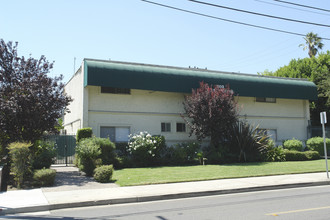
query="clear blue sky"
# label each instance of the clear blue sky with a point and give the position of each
(135, 31)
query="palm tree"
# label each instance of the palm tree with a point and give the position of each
(313, 43)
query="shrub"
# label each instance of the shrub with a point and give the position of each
(123, 162)
(84, 133)
(103, 174)
(247, 141)
(293, 145)
(146, 150)
(291, 155)
(317, 144)
(217, 155)
(44, 177)
(272, 153)
(122, 149)
(183, 153)
(20, 160)
(108, 148)
(44, 154)
(87, 153)
(312, 155)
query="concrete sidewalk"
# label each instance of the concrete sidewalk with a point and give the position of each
(83, 191)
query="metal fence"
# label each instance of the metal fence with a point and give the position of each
(317, 132)
(65, 148)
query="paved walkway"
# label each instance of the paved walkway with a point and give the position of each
(73, 190)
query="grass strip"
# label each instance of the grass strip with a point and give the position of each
(157, 175)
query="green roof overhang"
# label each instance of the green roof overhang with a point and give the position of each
(183, 80)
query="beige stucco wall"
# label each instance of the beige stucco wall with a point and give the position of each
(288, 116)
(141, 111)
(145, 110)
(74, 88)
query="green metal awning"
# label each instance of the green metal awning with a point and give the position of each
(183, 80)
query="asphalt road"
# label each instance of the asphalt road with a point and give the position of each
(299, 203)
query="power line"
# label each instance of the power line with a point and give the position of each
(298, 9)
(305, 6)
(259, 14)
(227, 20)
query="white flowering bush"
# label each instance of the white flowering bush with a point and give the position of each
(145, 149)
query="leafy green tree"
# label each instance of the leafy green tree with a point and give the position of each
(312, 43)
(212, 112)
(315, 69)
(30, 101)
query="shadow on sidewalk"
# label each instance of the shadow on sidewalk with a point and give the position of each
(70, 178)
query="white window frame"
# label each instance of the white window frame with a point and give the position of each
(165, 124)
(116, 128)
(185, 127)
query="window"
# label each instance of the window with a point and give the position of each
(115, 134)
(180, 127)
(263, 99)
(166, 127)
(115, 90)
(272, 133)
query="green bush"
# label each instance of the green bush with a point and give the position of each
(146, 150)
(246, 142)
(44, 177)
(103, 174)
(84, 133)
(293, 144)
(317, 144)
(183, 154)
(272, 153)
(291, 155)
(312, 155)
(123, 162)
(44, 154)
(20, 161)
(87, 153)
(108, 148)
(122, 149)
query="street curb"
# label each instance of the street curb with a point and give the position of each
(50, 207)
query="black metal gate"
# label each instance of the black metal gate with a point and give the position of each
(65, 148)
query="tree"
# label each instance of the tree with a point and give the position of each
(315, 69)
(212, 111)
(30, 101)
(313, 43)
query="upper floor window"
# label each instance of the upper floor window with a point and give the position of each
(115, 90)
(264, 99)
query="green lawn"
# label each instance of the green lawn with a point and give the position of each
(155, 175)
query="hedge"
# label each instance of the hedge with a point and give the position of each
(291, 155)
(84, 133)
(317, 144)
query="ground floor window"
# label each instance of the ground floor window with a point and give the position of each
(115, 134)
(272, 133)
(180, 127)
(166, 127)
